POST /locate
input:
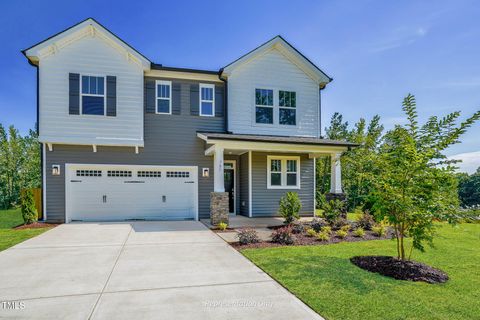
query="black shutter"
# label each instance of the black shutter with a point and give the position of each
(74, 93)
(194, 100)
(176, 105)
(111, 96)
(219, 105)
(149, 96)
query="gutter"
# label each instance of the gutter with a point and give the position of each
(225, 99)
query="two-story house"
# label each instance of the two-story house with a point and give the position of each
(125, 138)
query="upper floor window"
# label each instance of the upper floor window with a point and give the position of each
(264, 106)
(287, 101)
(283, 172)
(93, 95)
(207, 100)
(163, 97)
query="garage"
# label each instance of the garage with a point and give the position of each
(97, 192)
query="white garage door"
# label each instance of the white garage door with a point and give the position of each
(117, 192)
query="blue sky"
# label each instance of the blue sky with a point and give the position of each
(376, 51)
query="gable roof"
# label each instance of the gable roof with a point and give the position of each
(86, 27)
(290, 53)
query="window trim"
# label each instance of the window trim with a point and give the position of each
(104, 96)
(263, 106)
(163, 82)
(283, 179)
(209, 86)
(287, 108)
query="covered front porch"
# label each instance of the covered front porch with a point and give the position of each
(265, 168)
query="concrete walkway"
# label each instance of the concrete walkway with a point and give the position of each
(138, 270)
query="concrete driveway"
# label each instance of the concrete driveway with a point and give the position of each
(138, 270)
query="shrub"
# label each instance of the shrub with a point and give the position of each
(317, 224)
(326, 229)
(323, 236)
(297, 227)
(346, 228)
(283, 235)
(341, 233)
(379, 230)
(359, 233)
(222, 226)
(247, 236)
(339, 223)
(366, 221)
(311, 232)
(290, 206)
(332, 210)
(29, 212)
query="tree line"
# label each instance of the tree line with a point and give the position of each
(19, 164)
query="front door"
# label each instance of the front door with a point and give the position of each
(229, 180)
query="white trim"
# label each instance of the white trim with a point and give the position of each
(283, 173)
(273, 146)
(68, 166)
(44, 182)
(183, 75)
(250, 184)
(94, 147)
(50, 147)
(104, 95)
(165, 83)
(99, 141)
(234, 162)
(207, 86)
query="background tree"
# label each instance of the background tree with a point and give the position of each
(19, 164)
(469, 189)
(417, 185)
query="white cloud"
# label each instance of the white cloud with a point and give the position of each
(400, 37)
(470, 161)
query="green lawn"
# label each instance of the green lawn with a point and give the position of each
(10, 237)
(323, 277)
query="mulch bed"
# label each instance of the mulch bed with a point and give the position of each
(36, 225)
(304, 240)
(216, 230)
(401, 270)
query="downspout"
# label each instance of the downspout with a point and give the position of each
(225, 100)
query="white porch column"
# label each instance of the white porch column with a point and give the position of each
(336, 175)
(218, 182)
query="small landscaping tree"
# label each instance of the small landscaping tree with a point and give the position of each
(290, 206)
(29, 212)
(417, 185)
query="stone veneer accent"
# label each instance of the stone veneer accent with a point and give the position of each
(218, 207)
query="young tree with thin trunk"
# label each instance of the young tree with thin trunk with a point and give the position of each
(417, 185)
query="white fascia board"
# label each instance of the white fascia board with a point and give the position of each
(88, 27)
(183, 75)
(99, 141)
(276, 147)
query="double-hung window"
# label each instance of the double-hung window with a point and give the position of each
(264, 106)
(207, 100)
(287, 102)
(283, 172)
(93, 95)
(163, 96)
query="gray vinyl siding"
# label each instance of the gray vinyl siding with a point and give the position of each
(244, 200)
(169, 140)
(265, 201)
